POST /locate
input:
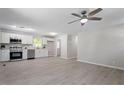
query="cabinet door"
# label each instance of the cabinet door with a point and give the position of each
(41, 53)
(0, 55)
(5, 55)
(29, 39)
(19, 36)
(44, 41)
(45, 53)
(5, 37)
(26, 39)
(25, 54)
(36, 53)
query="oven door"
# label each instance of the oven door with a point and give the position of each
(15, 55)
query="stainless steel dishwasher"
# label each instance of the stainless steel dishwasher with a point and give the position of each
(31, 54)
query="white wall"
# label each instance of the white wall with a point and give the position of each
(104, 47)
(72, 46)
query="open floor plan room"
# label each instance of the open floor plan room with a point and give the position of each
(61, 46)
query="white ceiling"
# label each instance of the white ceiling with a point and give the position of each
(55, 19)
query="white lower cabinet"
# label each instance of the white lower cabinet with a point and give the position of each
(5, 55)
(41, 53)
(24, 56)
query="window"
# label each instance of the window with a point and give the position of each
(37, 42)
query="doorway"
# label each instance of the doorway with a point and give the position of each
(58, 48)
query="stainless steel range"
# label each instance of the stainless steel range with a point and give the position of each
(16, 53)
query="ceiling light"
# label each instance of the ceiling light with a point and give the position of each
(30, 29)
(53, 33)
(13, 26)
(84, 20)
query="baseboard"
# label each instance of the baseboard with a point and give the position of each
(115, 67)
(68, 58)
(72, 58)
(63, 58)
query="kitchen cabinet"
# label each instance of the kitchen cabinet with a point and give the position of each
(44, 41)
(26, 39)
(24, 54)
(4, 37)
(15, 36)
(41, 53)
(29, 39)
(5, 55)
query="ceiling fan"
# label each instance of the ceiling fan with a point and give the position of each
(84, 16)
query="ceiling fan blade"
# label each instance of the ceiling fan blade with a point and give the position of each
(95, 11)
(73, 21)
(77, 15)
(95, 18)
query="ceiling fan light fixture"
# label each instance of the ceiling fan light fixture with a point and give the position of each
(53, 33)
(84, 20)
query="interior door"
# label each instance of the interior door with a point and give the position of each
(51, 48)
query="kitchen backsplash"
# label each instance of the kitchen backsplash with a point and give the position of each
(7, 46)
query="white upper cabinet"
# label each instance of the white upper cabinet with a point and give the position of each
(30, 39)
(0, 37)
(4, 37)
(15, 36)
(26, 39)
(44, 41)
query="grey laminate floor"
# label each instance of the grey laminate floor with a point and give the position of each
(57, 71)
